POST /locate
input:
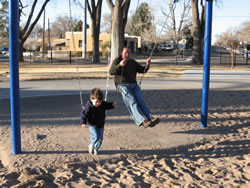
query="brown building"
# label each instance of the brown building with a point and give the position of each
(73, 42)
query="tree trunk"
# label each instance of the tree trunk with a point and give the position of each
(119, 21)
(232, 59)
(95, 49)
(95, 15)
(173, 25)
(20, 51)
(202, 29)
(27, 29)
(196, 33)
(117, 36)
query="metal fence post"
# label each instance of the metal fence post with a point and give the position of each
(220, 57)
(70, 57)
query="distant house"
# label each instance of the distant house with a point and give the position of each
(59, 44)
(73, 42)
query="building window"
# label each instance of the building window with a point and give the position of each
(80, 44)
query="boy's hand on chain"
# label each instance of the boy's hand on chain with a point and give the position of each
(114, 103)
(84, 126)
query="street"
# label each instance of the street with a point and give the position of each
(192, 79)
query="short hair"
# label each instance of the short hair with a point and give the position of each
(96, 93)
(128, 48)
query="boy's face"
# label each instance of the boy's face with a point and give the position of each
(96, 102)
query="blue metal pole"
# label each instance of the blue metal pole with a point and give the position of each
(206, 62)
(14, 76)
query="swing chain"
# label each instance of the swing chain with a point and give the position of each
(150, 55)
(109, 63)
(74, 47)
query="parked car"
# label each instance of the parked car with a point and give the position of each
(4, 50)
(165, 47)
(239, 51)
(247, 54)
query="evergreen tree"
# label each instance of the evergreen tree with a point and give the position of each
(142, 20)
(78, 26)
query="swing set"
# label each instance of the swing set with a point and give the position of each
(14, 72)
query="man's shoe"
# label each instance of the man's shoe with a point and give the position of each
(95, 152)
(154, 121)
(146, 123)
(91, 150)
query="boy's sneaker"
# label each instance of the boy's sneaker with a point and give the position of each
(146, 123)
(91, 150)
(154, 121)
(95, 152)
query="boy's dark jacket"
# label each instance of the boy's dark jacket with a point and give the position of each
(95, 115)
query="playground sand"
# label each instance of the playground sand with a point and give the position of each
(175, 153)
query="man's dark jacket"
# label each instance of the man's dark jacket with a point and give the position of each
(126, 74)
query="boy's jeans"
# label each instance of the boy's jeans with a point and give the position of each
(96, 135)
(132, 97)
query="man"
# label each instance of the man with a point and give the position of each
(125, 70)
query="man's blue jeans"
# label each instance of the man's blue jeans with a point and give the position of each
(132, 97)
(96, 135)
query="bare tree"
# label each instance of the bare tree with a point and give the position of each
(95, 15)
(24, 32)
(174, 29)
(37, 31)
(119, 12)
(34, 40)
(230, 38)
(94, 9)
(198, 31)
(244, 32)
(61, 25)
(107, 22)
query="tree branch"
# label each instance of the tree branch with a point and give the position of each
(110, 4)
(89, 8)
(30, 16)
(26, 34)
(125, 7)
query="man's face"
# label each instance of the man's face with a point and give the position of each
(126, 54)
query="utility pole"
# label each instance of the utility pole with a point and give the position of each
(43, 33)
(49, 42)
(84, 30)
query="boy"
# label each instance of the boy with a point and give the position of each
(93, 117)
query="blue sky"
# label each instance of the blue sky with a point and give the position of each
(227, 14)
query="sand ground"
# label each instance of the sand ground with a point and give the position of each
(175, 153)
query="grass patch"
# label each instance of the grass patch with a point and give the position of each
(56, 71)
